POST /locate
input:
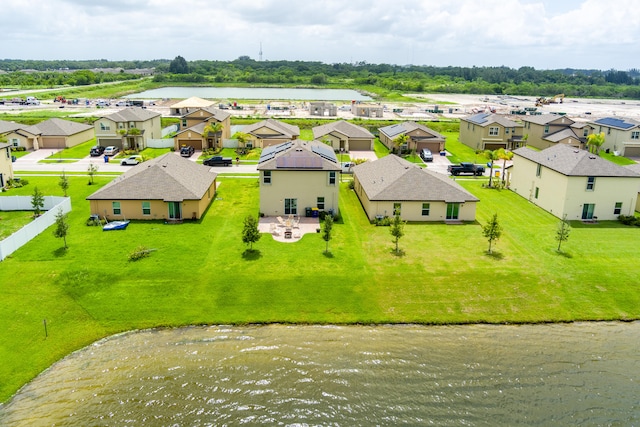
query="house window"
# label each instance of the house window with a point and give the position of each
(494, 131)
(591, 183)
(618, 208)
(453, 209)
(536, 192)
(146, 208)
(585, 132)
(266, 178)
(506, 131)
(249, 145)
(15, 142)
(397, 209)
(132, 125)
(320, 203)
(426, 207)
(291, 206)
(104, 127)
(116, 208)
(539, 170)
(635, 134)
(546, 129)
(332, 178)
(184, 123)
(587, 210)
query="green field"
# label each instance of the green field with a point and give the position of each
(199, 273)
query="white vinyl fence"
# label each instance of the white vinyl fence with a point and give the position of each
(160, 143)
(23, 203)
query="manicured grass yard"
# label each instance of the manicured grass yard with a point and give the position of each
(12, 221)
(200, 274)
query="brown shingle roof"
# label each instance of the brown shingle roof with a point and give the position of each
(545, 119)
(348, 129)
(57, 127)
(285, 129)
(132, 114)
(392, 178)
(571, 161)
(169, 177)
(392, 131)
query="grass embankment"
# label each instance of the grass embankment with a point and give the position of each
(199, 275)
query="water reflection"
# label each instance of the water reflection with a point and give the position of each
(267, 93)
(584, 373)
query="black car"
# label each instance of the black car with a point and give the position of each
(96, 151)
(187, 151)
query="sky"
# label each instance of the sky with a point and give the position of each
(544, 34)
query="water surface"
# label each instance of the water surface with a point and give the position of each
(575, 374)
(231, 93)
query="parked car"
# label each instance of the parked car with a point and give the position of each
(187, 151)
(96, 151)
(218, 161)
(111, 150)
(131, 160)
(466, 168)
(426, 155)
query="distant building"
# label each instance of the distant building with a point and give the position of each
(621, 135)
(367, 110)
(323, 109)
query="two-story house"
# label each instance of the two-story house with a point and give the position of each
(565, 180)
(546, 130)
(128, 129)
(489, 131)
(621, 135)
(418, 137)
(192, 126)
(297, 177)
(344, 136)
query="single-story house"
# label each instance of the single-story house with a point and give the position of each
(6, 167)
(270, 132)
(168, 187)
(621, 135)
(128, 129)
(419, 137)
(392, 185)
(58, 133)
(185, 106)
(344, 136)
(568, 181)
(546, 130)
(297, 177)
(489, 131)
(16, 135)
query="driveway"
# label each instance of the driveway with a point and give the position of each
(368, 155)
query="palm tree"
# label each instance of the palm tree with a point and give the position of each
(504, 155)
(400, 140)
(242, 138)
(214, 128)
(595, 141)
(492, 156)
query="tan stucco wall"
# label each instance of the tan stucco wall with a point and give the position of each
(477, 137)
(26, 140)
(559, 194)
(306, 186)
(6, 167)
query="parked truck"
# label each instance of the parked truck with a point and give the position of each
(465, 168)
(218, 161)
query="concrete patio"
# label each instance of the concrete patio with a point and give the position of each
(290, 229)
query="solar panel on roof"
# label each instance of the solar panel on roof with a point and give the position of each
(325, 152)
(479, 118)
(299, 162)
(270, 152)
(618, 123)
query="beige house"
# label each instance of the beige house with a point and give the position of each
(17, 136)
(488, 131)
(297, 178)
(565, 180)
(6, 167)
(367, 110)
(546, 130)
(193, 124)
(128, 129)
(344, 136)
(636, 168)
(56, 133)
(168, 188)
(188, 105)
(270, 132)
(419, 135)
(621, 135)
(392, 185)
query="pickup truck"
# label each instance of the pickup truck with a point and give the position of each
(466, 168)
(218, 161)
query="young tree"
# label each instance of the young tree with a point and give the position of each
(92, 171)
(64, 183)
(250, 232)
(400, 141)
(326, 231)
(62, 227)
(562, 233)
(37, 202)
(492, 230)
(595, 141)
(492, 156)
(214, 128)
(504, 155)
(397, 230)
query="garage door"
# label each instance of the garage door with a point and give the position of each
(48, 142)
(195, 143)
(494, 146)
(360, 145)
(105, 142)
(434, 147)
(631, 152)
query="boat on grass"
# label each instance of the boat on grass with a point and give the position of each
(115, 225)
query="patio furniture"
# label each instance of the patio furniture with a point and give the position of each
(288, 234)
(280, 220)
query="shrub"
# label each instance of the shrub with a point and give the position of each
(139, 253)
(382, 221)
(629, 220)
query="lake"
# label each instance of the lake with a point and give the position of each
(476, 375)
(233, 93)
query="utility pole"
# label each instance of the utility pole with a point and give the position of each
(260, 51)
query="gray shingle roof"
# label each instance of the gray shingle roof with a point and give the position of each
(486, 119)
(302, 155)
(392, 178)
(6, 127)
(57, 127)
(393, 131)
(169, 178)
(562, 134)
(218, 114)
(132, 114)
(571, 161)
(545, 119)
(285, 129)
(348, 129)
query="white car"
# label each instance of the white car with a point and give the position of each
(111, 150)
(131, 160)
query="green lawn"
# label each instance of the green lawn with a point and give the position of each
(199, 274)
(12, 221)
(79, 151)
